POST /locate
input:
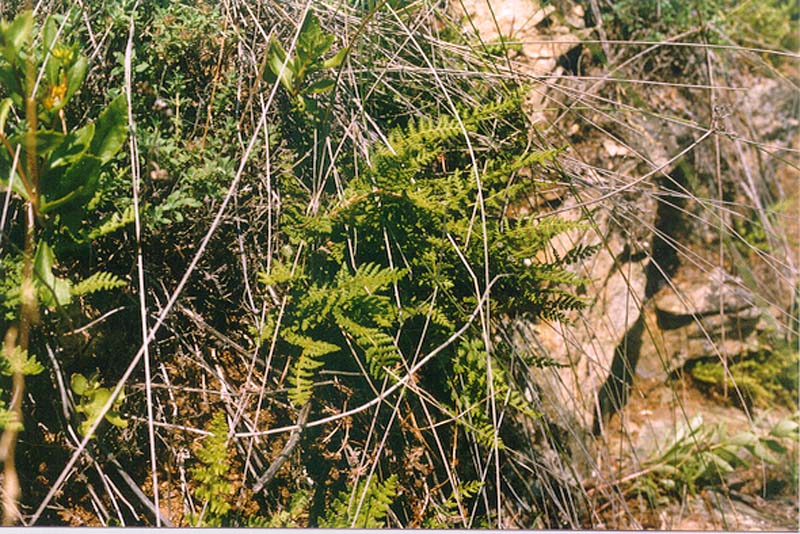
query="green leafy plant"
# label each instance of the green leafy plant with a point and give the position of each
(213, 488)
(93, 397)
(47, 164)
(364, 506)
(301, 73)
(291, 517)
(54, 170)
(756, 22)
(335, 308)
(446, 514)
(15, 361)
(701, 455)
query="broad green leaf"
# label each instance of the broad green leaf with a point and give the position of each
(320, 86)
(277, 57)
(5, 107)
(336, 60)
(97, 399)
(16, 184)
(94, 399)
(775, 446)
(49, 32)
(111, 130)
(723, 466)
(744, 439)
(49, 40)
(665, 469)
(73, 147)
(75, 75)
(762, 453)
(16, 35)
(313, 42)
(78, 184)
(322, 45)
(54, 291)
(45, 141)
(9, 82)
(43, 263)
(785, 428)
(78, 383)
(116, 419)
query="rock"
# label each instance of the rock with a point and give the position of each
(685, 323)
(701, 295)
(518, 21)
(599, 346)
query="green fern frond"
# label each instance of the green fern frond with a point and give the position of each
(470, 389)
(580, 253)
(305, 366)
(449, 508)
(371, 277)
(380, 351)
(17, 361)
(113, 223)
(289, 518)
(99, 281)
(7, 417)
(211, 474)
(366, 507)
(280, 273)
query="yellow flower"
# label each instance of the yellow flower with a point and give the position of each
(63, 53)
(56, 94)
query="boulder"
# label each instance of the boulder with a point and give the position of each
(701, 295)
(598, 348)
(685, 322)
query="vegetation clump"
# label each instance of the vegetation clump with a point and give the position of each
(270, 264)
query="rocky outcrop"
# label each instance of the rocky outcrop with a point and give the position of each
(537, 32)
(598, 347)
(700, 315)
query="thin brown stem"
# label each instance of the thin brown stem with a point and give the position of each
(28, 314)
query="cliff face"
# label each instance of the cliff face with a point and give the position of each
(682, 162)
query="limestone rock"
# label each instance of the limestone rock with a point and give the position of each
(685, 323)
(702, 295)
(597, 338)
(520, 21)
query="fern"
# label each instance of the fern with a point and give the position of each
(366, 507)
(385, 268)
(471, 394)
(99, 281)
(448, 510)
(288, 518)
(113, 223)
(211, 475)
(307, 363)
(380, 353)
(351, 305)
(18, 361)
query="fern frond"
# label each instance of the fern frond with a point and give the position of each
(380, 351)
(210, 475)
(374, 501)
(304, 368)
(99, 281)
(371, 277)
(113, 223)
(18, 361)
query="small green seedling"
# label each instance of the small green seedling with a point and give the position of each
(298, 74)
(93, 399)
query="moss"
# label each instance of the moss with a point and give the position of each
(764, 378)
